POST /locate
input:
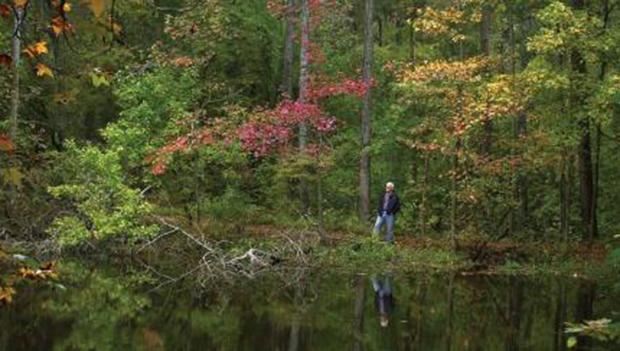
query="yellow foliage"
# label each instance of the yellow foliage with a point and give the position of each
(59, 25)
(12, 176)
(442, 70)
(36, 49)
(6, 294)
(97, 6)
(43, 70)
(20, 3)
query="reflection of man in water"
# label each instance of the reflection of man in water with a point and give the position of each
(383, 299)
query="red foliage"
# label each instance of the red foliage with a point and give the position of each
(5, 60)
(348, 87)
(6, 144)
(262, 138)
(159, 160)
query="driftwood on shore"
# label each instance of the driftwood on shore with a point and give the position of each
(217, 262)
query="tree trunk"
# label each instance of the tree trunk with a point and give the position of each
(485, 48)
(303, 93)
(16, 55)
(364, 177)
(454, 202)
(522, 180)
(286, 86)
(586, 184)
(423, 208)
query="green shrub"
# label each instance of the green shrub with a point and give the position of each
(100, 205)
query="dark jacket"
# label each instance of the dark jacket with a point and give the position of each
(393, 204)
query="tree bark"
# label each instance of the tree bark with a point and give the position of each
(286, 86)
(423, 207)
(586, 174)
(485, 48)
(303, 93)
(16, 56)
(366, 116)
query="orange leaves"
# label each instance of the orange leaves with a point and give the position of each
(6, 294)
(97, 7)
(20, 3)
(6, 144)
(183, 61)
(5, 60)
(60, 25)
(36, 49)
(43, 70)
(45, 271)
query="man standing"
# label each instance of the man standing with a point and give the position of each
(389, 205)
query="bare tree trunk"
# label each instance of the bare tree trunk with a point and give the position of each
(563, 207)
(364, 177)
(522, 180)
(588, 220)
(16, 55)
(597, 137)
(485, 48)
(303, 93)
(286, 86)
(455, 168)
(423, 208)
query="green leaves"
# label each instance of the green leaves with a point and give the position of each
(104, 206)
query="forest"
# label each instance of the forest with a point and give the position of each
(157, 148)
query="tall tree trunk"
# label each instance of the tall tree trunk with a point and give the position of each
(485, 48)
(564, 208)
(423, 207)
(597, 137)
(286, 87)
(586, 184)
(364, 171)
(16, 56)
(303, 93)
(522, 181)
(458, 144)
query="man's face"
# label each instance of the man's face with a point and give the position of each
(389, 188)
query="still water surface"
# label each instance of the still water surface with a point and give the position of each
(97, 310)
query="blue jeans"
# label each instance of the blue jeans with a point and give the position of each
(389, 220)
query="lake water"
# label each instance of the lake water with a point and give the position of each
(96, 309)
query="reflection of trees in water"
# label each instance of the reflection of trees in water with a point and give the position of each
(358, 320)
(559, 340)
(585, 301)
(300, 310)
(99, 310)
